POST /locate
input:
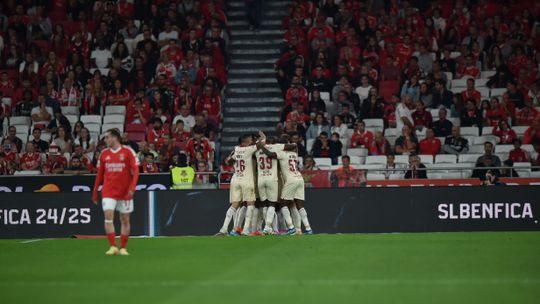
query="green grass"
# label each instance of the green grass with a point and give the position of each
(355, 268)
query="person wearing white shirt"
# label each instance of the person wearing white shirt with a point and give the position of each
(363, 89)
(189, 120)
(403, 113)
(42, 114)
(101, 57)
(339, 127)
(167, 34)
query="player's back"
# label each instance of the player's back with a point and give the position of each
(117, 169)
(267, 167)
(288, 163)
(243, 166)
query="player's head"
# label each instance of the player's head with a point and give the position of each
(284, 139)
(112, 137)
(182, 160)
(247, 139)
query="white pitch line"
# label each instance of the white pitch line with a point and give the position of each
(31, 241)
(278, 283)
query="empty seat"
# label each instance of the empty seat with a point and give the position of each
(480, 82)
(487, 130)
(70, 110)
(106, 127)
(115, 110)
(460, 83)
(374, 123)
(497, 92)
(426, 159)
(485, 138)
(449, 78)
(433, 175)
(376, 159)
(114, 118)
(487, 74)
(309, 144)
(476, 149)
(446, 158)
(520, 130)
(484, 92)
(19, 120)
(72, 119)
(28, 172)
(91, 119)
(529, 148)
(469, 131)
(323, 161)
(93, 128)
(22, 129)
(469, 158)
(401, 159)
(375, 176)
(357, 152)
(452, 175)
(503, 148)
(390, 132)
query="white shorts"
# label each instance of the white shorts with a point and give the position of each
(241, 192)
(268, 190)
(293, 189)
(122, 206)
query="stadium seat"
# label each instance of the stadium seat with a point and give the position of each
(390, 132)
(350, 133)
(487, 130)
(426, 159)
(323, 161)
(114, 118)
(529, 148)
(460, 83)
(357, 152)
(476, 149)
(468, 158)
(374, 123)
(496, 92)
(19, 121)
(451, 175)
(376, 159)
(485, 138)
(27, 173)
(454, 55)
(22, 129)
(449, 78)
(469, 131)
(401, 159)
(484, 92)
(487, 74)
(309, 144)
(480, 83)
(115, 110)
(503, 148)
(387, 88)
(445, 158)
(325, 96)
(375, 176)
(457, 90)
(520, 130)
(433, 175)
(91, 119)
(72, 119)
(70, 110)
(108, 126)
(93, 128)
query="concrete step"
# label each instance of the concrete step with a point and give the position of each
(247, 100)
(266, 4)
(251, 109)
(263, 23)
(261, 32)
(256, 57)
(269, 12)
(249, 72)
(247, 129)
(249, 119)
(240, 60)
(272, 89)
(273, 94)
(257, 42)
(252, 80)
(256, 51)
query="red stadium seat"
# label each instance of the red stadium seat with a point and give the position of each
(43, 45)
(387, 88)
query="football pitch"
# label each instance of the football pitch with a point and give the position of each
(352, 268)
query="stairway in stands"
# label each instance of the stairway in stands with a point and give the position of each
(253, 98)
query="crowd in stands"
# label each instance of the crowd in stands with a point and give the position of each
(420, 78)
(71, 70)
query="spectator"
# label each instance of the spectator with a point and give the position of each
(416, 170)
(40, 145)
(507, 170)
(361, 138)
(346, 116)
(324, 147)
(76, 167)
(319, 82)
(373, 106)
(407, 143)
(390, 71)
(457, 107)
(488, 159)
(63, 140)
(364, 88)
(471, 93)
(79, 152)
(31, 160)
(183, 175)
(299, 115)
(144, 148)
(179, 134)
(411, 88)
(501, 78)
(59, 121)
(421, 118)
(138, 111)
(12, 137)
(41, 114)
(346, 175)
(441, 96)
(505, 133)
(391, 164)
(156, 132)
(527, 115)
(199, 143)
(254, 14)
(55, 163)
(101, 57)
(309, 164)
(455, 143)
(404, 114)
(532, 134)
(148, 165)
(515, 96)
(25, 105)
(471, 116)
(118, 95)
(339, 127)
(87, 143)
(430, 145)
(316, 103)
(443, 126)
(6, 167)
(379, 146)
(518, 155)
(298, 140)
(319, 125)
(468, 69)
(536, 162)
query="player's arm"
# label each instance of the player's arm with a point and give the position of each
(229, 159)
(99, 180)
(289, 147)
(134, 165)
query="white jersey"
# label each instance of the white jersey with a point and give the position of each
(288, 162)
(243, 166)
(267, 167)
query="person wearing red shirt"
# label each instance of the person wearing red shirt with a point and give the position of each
(180, 135)
(156, 132)
(518, 155)
(379, 146)
(138, 111)
(471, 92)
(148, 165)
(296, 91)
(505, 133)
(31, 160)
(430, 145)
(209, 100)
(496, 113)
(199, 144)
(532, 134)
(299, 115)
(55, 163)
(361, 137)
(124, 9)
(469, 69)
(421, 117)
(118, 96)
(173, 52)
(118, 170)
(527, 115)
(7, 87)
(404, 51)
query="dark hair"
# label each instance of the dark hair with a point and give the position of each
(323, 133)
(115, 132)
(345, 156)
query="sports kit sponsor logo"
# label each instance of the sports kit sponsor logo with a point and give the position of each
(465, 211)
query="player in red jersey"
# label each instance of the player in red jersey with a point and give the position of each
(118, 169)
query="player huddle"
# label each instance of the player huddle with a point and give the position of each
(266, 179)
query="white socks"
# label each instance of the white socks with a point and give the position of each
(240, 215)
(228, 216)
(303, 216)
(249, 218)
(296, 218)
(270, 212)
(255, 220)
(287, 216)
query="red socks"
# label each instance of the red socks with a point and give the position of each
(123, 240)
(112, 238)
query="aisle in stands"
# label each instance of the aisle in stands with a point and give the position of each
(441, 79)
(71, 70)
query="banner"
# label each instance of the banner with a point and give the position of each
(49, 215)
(402, 209)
